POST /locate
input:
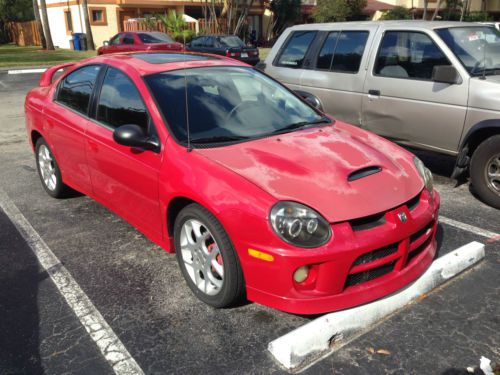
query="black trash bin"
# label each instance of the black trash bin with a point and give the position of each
(83, 41)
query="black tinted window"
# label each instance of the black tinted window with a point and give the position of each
(128, 39)
(156, 37)
(408, 55)
(76, 88)
(120, 102)
(294, 52)
(198, 42)
(342, 52)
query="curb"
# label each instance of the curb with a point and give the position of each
(315, 340)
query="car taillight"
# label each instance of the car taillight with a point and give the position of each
(233, 54)
(253, 53)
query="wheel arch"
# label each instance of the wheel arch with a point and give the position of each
(175, 206)
(34, 137)
(474, 137)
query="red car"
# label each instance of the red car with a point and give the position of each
(140, 41)
(259, 194)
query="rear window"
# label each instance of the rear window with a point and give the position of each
(342, 51)
(296, 48)
(231, 41)
(152, 38)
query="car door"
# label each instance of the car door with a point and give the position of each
(123, 178)
(292, 61)
(113, 44)
(337, 72)
(66, 122)
(402, 102)
(128, 43)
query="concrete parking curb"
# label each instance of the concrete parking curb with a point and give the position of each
(307, 344)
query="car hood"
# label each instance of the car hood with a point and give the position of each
(485, 93)
(312, 167)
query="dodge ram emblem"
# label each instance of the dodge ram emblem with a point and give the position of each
(402, 217)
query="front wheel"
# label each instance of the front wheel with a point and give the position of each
(207, 258)
(485, 171)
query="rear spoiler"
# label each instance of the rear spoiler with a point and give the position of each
(46, 78)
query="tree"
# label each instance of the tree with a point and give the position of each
(397, 13)
(88, 29)
(38, 21)
(426, 6)
(436, 10)
(338, 10)
(16, 10)
(46, 28)
(286, 13)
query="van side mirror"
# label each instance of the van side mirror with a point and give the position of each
(133, 136)
(445, 74)
(105, 43)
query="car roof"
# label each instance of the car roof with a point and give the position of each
(154, 62)
(417, 24)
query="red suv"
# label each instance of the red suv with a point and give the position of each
(259, 194)
(140, 41)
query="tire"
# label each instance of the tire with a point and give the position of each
(207, 258)
(485, 171)
(48, 170)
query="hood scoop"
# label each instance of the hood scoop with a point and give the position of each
(363, 172)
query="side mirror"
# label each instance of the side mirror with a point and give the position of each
(133, 136)
(105, 43)
(445, 74)
(310, 99)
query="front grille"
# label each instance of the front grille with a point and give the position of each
(376, 254)
(418, 250)
(421, 232)
(363, 277)
(413, 203)
(367, 222)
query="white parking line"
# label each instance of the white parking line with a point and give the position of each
(108, 343)
(3, 85)
(26, 71)
(468, 228)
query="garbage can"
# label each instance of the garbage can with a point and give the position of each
(83, 41)
(76, 41)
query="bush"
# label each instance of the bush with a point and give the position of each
(184, 36)
(396, 13)
(477, 17)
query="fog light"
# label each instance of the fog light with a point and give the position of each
(301, 274)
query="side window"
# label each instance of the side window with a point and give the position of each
(115, 39)
(76, 88)
(128, 39)
(405, 54)
(120, 102)
(342, 51)
(198, 42)
(295, 50)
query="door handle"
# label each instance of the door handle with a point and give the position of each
(374, 92)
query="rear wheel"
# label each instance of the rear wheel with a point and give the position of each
(485, 171)
(207, 257)
(49, 171)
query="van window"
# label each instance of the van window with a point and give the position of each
(342, 51)
(404, 54)
(295, 50)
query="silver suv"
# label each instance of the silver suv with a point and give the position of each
(429, 85)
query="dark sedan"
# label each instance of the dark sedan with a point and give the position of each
(225, 45)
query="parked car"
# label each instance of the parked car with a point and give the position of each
(140, 41)
(429, 85)
(225, 45)
(258, 193)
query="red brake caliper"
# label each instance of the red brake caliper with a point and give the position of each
(218, 258)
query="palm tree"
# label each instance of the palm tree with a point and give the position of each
(438, 5)
(90, 38)
(38, 21)
(46, 28)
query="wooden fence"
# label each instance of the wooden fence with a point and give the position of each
(210, 27)
(24, 33)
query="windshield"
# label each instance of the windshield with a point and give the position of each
(477, 48)
(155, 37)
(231, 41)
(227, 104)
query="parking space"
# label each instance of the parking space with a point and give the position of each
(139, 290)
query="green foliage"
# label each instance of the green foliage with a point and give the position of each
(184, 36)
(286, 13)
(338, 10)
(174, 24)
(477, 17)
(150, 23)
(396, 13)
(16, 10)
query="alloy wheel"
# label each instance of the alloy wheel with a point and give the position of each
(492, 173)
(47, 167)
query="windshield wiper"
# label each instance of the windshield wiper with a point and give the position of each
(301, 124)
(487, 71)
(218, 138)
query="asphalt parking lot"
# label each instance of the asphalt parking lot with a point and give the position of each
(139, 290)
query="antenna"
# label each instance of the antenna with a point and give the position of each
(189, 149)
(483, 77)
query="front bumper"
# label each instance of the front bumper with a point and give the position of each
(367, 259)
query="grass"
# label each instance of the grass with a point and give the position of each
(14, 56)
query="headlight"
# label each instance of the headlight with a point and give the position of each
(425, 173)
(299, 225)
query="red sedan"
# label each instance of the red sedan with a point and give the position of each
(260, 195)
(140, 41)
